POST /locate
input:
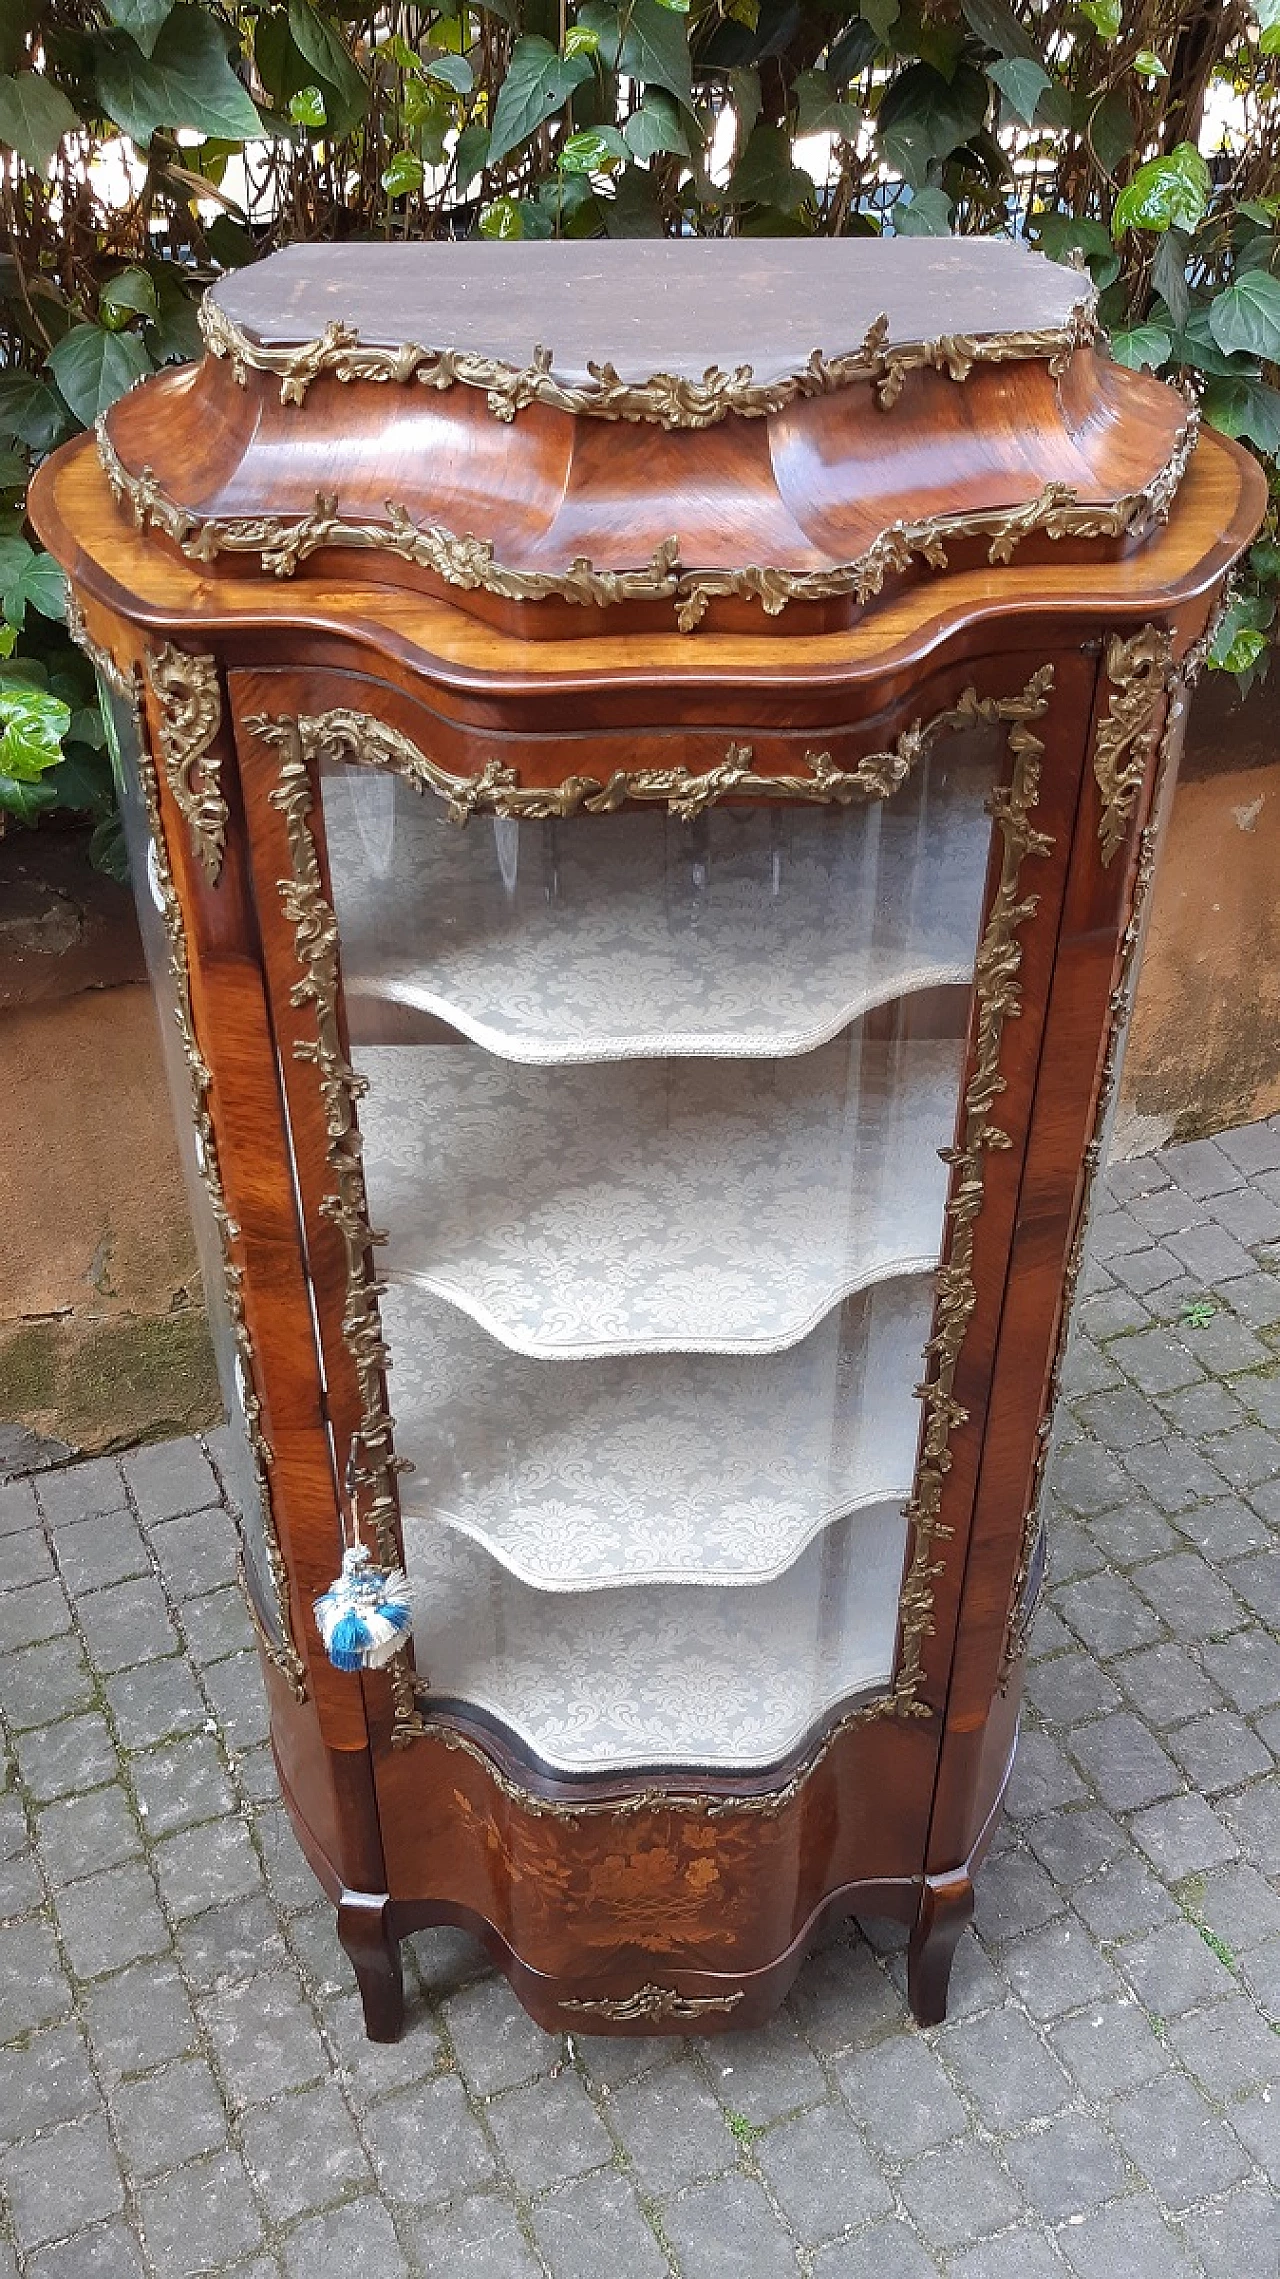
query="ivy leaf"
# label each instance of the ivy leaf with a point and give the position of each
(923, 117)
(819, 109)
(32, 726)
(1143, 347)
(1245, 319)
(654, 128)
(1268, 15)
(1148, 63)
(765, 175)
(44, 587)
(93, 367)
(926, 214)
(1111, 130)
(329, 57)
(31, 412)
(1169, 276)
(306, 108)
(82, 781)
(1104, 15)
(1022, 83)
(882, 15)
(471, 155)
(402, 175)
(23, 798)
(995, 24)
(655, 49)
(1196, 346)
(186, 82)
(633, 210)
(131, 294)
(13, 477)
(538, 81)
(598, 17)
(1057, 235)
(1246, 409)
(593, 151)
(454, 70)
(1168, 192)
(581, 39)
(144, 20)
(1264, 560)
(502, 220)
(34, 117)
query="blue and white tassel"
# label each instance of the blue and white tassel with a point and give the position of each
(365, 1616)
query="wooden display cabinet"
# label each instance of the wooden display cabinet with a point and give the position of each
(652, 1210)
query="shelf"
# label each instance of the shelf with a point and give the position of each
(663, 1469)
(637, 935)
(603, 1680)
(658, 1207)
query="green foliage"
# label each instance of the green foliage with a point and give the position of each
(231, 126)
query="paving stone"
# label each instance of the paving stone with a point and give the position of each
(170, 1476)
(1241, 1907)
(155, 1702)
(1211, 1254)
(882, 2251)
(32, 1615)
(1256, 2121)
(1108, 2047)
(1237, 2235)
(1172, 1471)
(25, 1558)
(1173, 1970)
(216, 1626)
(1016, 2255)
(235, 1688)
(101, 1551)
(1042, 1778)
(1070, 1687)
(18, 1508)
(37, 1687)
(1223, 1528)
(201, 2217)
(138, 2019)
(185, 1783)
(111, 1920)
(1228, 2047)
(1067, 2168)
(1133, 1533)
(843, 1999)
(33, 1985)
(761, 2075)
(1182, 1836)
(226, 1944)
(1157, 1361)
(1147, 1271)
(957, 2194)
(292, 1882)
(821, 2175)
(721, 2230)
(482, 2239)
(498, 2046)
(197, 1552)
(126, 1624)
(204, 1866)
(1201, 1409)
(355, 2241)
(57, 2183)
(1057, 1969)
(1193, 1600)
(109, 2252)
(1107, 1614)
(1014, 1894)
(901, 2096)
(1165, 1684)
(370, 2069)
(1219, 1751)
(1004, 2068)
(671, 2128)
(548, 2131)
(1085, 1478)
(82, 1834)
(1075, 1845)
(1246, 1456)
(1125, 1763)
(1254, 1817)
(1129, 2239)
(1110, 1312)
(571, 2224)
(43, 2081)
(1120, 1420)
(1260, 1972)
(303, 2152)
(1123, 1900)
(67, 1758)
(1252, 1147)
(1177, 2141)
(265, 2039)
(1258, 1582)
(427, 2144)
(79, 1490)
(169, 2117)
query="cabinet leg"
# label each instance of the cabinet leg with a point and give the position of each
(946, 1909)
(374, 1953)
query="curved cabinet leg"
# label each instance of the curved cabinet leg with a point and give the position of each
(946, 1909)
(374, 1953)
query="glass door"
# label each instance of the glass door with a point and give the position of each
(654, 1122)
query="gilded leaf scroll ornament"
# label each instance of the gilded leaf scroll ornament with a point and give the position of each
(189, 703)
(654, 2005)
(470, 564)
(348, 736)
(280, 1650)
(665, 399)
(1139, 670)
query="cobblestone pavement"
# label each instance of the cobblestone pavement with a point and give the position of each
(184, 2086)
